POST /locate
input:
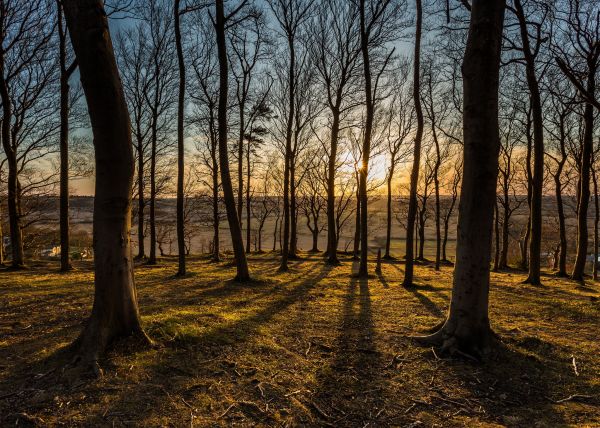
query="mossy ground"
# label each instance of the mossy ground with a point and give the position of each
(312, 347)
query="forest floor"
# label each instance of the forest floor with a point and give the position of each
(312, 347)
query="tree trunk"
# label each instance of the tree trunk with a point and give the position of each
(243, 273)
(562, 256)
(538, 153)
(497, 238)
(584, 183)
(332, 241)
(215, 203)
(180, 147)
(388, 228)
(275, 234)
(363, 271)
(141, 201)
(467, 327)
(248, 206)
(421, 253)
(503, 263)
(414, 175)
(13, 196)
(596, 220)
(357, 227)
(65, 263)
(293, 211)
(115, 310)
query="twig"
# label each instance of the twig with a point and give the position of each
(412, 406)
(226, 411)
(575, 397)
(574, 365)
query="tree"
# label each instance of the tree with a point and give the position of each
(400, 126)
(337, 52)
(115, 311)
(133, 61)
(160, 96)
(467, 328)
(221, 22)
(205, 96)
(66, 70)
(414, 175)
(25, 73)
(579, 55)
(290, 16)
(530, 48)
(377, 21)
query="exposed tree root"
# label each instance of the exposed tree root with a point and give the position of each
(448, 342)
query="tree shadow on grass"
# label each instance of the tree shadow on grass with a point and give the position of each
(208, 357)
(519, 385)
(350, 389)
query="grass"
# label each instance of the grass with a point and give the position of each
(312, 347)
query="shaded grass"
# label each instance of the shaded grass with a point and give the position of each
(313, 346)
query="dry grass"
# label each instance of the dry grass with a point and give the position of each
(312, 347)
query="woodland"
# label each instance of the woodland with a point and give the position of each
(299, 213)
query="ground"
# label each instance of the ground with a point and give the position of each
(312, 347)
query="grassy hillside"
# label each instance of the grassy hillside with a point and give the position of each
(311, 347)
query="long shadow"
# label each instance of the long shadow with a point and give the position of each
(186, 354)
(523, 382)
(355, 372)
(426, 301)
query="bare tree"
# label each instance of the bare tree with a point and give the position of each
(115, 311)
(578, 54)
(290, 15)
(467, 327)
(337, 51)
(25, 74)
(221, 22)
(414, 175)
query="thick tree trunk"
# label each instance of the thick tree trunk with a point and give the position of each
(181, 270)
(467, 327)
(332, 241)
(243, 274)
(414, 175)
(115, 310)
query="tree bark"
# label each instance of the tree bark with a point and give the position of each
(584, 183)
(388, 228)
(115, 311)
(363, 271)
(13, 196)
(65, 263)
(414, 175)
(243, 274)
(181, 269)
(467, 327)
(332, 241)
(538, 152)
